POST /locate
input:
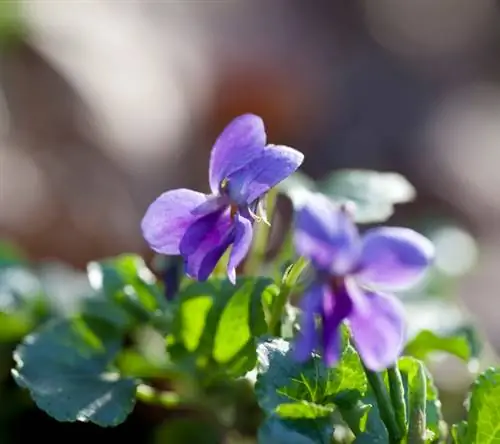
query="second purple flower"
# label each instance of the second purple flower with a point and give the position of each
(201, 227)
(353, 273)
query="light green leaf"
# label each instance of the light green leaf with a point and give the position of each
(215, 323)
(459, 432)
(483, 422)
(65, 366)
(304, 410)
(374, 193)
(461, 342)
(347, 380)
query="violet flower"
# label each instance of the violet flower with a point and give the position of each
(201, 227)
(350, 273)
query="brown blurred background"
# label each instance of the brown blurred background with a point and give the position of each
(105, 104)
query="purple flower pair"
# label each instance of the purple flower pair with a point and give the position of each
(201, 227)
(350, 270)
(352, 274)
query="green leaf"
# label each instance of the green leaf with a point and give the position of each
(129, 284)
(297, 187)
(309, 390)
(459, 432)
(364, 420)
(281, 379)
(483, 422)
(19, 289)
(374, 193)
(347, 380)
(215, 323)
(10, 254)
(304, 409)
(305, 431)
(461, 342)
(423, 405)
(413, 375)
(65, 366)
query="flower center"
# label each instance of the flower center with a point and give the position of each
(337, 283)
(255, 210)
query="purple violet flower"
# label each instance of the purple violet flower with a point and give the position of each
(350, 272)
(201, 227)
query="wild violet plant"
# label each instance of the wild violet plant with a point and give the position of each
(323, 350)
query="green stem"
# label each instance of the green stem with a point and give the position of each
(149, 395)
(287, 285)
(418, 396)
(258, 252)
(397, 392)
(377, 384)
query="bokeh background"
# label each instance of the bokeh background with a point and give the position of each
(105, 104)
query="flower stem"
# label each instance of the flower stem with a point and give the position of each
(377, 384)
(149, 395)
(287, 284)
(258, 252)
(397, 392)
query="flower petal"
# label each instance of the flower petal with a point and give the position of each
(274, 164)
(213, 203)
(307, 340)
(378, 330)
(394, 257)
(242, 240)
(201, 262)
(168, 217)
(336, 307)
(326, 235)
(240, 142)
(198, 231)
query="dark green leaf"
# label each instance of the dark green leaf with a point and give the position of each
(306, 390)
(373, 192)
(215, 324)
(483, 422)
(281, 379)
(65, 366)
(364, 420)
(130, 285)
(275, 430)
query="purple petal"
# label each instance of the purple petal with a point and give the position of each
(378, 330)
(394, 258)
(212, 204)
(198, 231)
(242, 241)
(307, 339)
(168, 217)
(336, 308)
(240, 142)
(326, 235)
(201, 262)
(274, 164)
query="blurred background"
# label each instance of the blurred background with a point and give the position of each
(105, 104)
